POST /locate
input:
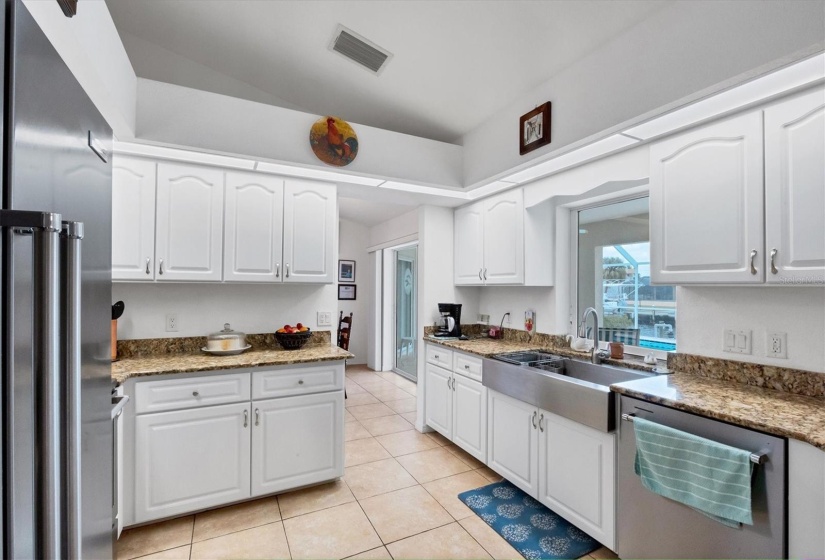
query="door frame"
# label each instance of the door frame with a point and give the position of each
(385, 335)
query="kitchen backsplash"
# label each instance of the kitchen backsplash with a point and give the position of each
(138, 348)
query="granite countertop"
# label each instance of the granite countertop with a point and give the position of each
(189, 362)
(768, 410)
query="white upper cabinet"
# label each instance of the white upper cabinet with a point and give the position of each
(504, 238)
(133, 219)
(469, 244)
(489, 241)
(189, 222)
(253, 223)
(795, 189)
(706, 204)
(310, 231)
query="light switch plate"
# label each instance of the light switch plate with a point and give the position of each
(324, 319)
(737, 341)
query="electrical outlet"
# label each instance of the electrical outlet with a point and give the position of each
(172, 322)
(483, 319)
(324, 319)
(776, 344)
(507, 318)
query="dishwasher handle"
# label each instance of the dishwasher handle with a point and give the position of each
(758, 458)
(119, 401)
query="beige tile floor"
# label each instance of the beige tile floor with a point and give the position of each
(397, 499)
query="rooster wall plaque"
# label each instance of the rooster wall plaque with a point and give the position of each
(333, 141)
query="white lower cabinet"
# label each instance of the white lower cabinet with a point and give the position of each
(191, 459)
(806, 500)
(576, 475)
(512, 441)
(567, 466)
(439, 400)
(297, 441)
(455, 402)
(196, 441)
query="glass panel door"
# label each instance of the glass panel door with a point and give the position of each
(406, 362)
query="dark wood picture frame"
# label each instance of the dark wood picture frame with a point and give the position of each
(344, 289)
(540, 117)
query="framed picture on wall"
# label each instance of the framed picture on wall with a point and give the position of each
(346, 271)
(534, 129)
(346, 291)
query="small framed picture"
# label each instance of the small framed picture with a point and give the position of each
(346, 271)
(346, 291)
(534, 129)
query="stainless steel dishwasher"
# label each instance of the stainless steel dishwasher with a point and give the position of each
(651, 526)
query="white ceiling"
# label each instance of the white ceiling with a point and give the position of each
(455, 62)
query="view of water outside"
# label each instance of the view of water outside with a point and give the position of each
(614, 276)
(630, 301)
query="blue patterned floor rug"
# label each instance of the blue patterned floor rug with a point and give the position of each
(532, 529)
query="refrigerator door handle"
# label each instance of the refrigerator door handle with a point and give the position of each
(44, 227)
(71, 236)
(119, 401)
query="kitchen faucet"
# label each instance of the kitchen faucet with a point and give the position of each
(594, 353)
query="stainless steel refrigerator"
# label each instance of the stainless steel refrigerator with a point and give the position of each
(56, 405)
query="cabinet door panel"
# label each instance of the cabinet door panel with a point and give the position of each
(133, 219)
(439, 400)
(504, 238)
(189, 223)
(469, 244)
(576, 470)
(191, 459)
(297, 441)
(795, 189)
(470, 417)
(512, 441)
(706, 203)
(310, 231)
(254, 227)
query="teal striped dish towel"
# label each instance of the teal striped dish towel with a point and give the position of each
(713, 478)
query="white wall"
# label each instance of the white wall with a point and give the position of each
(352, 246)
(396, 231)
(495, 301)
(185, 71)
(204, 308)
(90, 46)
(676, 55)
(704, 312)
(198, 119)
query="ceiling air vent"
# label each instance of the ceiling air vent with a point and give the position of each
(360, 50)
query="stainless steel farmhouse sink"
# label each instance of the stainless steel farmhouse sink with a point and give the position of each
(571, 388)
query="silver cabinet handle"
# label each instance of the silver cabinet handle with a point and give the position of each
(277, 270)
(479, 274)
(535, 413)
(435, 356)
(160, 268)
(195, 394)
(467, 366)
(148, 260)
(453, 383)
(300, 382)
(448, 383)
(287, 270)
(257, 417)
(753, 257)
(485, 274)
(774, 270)
(245, 418)
(541, 422)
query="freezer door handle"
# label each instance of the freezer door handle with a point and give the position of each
(44, 227)
(70, 247)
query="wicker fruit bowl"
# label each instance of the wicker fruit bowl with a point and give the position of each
(293, 341)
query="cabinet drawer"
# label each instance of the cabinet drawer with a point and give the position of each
(298, 380)
(440, 356)
(174, 394)
(468, 366)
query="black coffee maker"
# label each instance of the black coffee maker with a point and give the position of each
(449, 325)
